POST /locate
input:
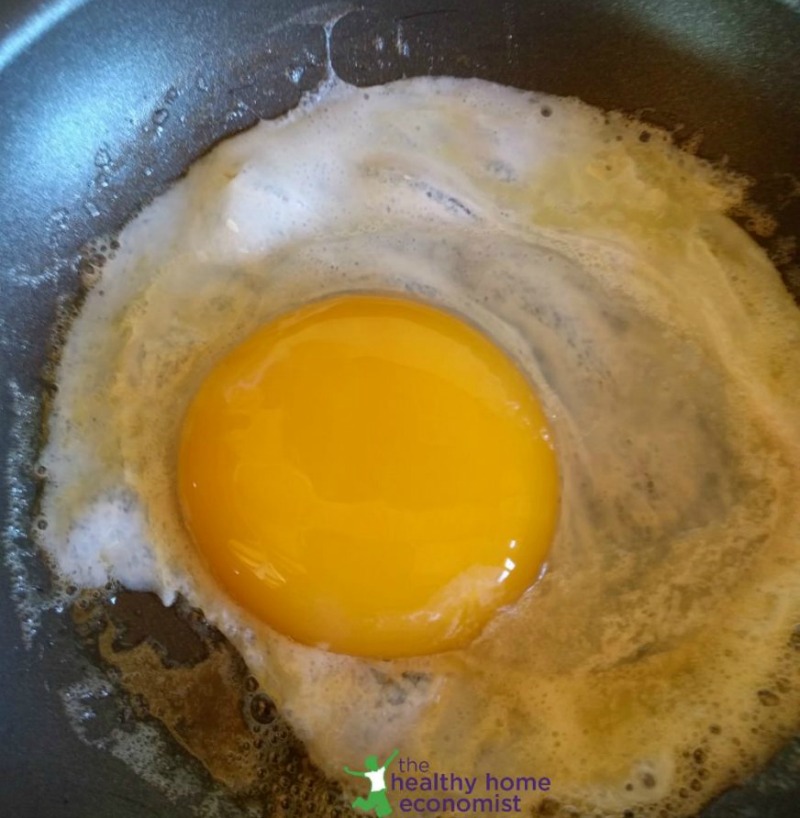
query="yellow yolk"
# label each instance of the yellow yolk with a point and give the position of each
(369, 474)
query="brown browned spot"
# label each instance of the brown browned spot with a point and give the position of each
(199, 704)
(176, 668)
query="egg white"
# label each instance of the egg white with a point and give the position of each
(662, 344)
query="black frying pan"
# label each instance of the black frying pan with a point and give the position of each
(103, 103)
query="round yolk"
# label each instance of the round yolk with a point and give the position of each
(369, 474)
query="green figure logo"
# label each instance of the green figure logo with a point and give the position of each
(376, 800)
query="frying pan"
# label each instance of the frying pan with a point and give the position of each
(103, 103)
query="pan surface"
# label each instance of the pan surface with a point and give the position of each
(105, 102)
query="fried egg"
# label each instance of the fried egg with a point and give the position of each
(293, 346)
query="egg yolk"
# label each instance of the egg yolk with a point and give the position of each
(369, 474)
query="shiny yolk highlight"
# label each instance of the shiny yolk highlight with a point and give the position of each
(369, 474)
